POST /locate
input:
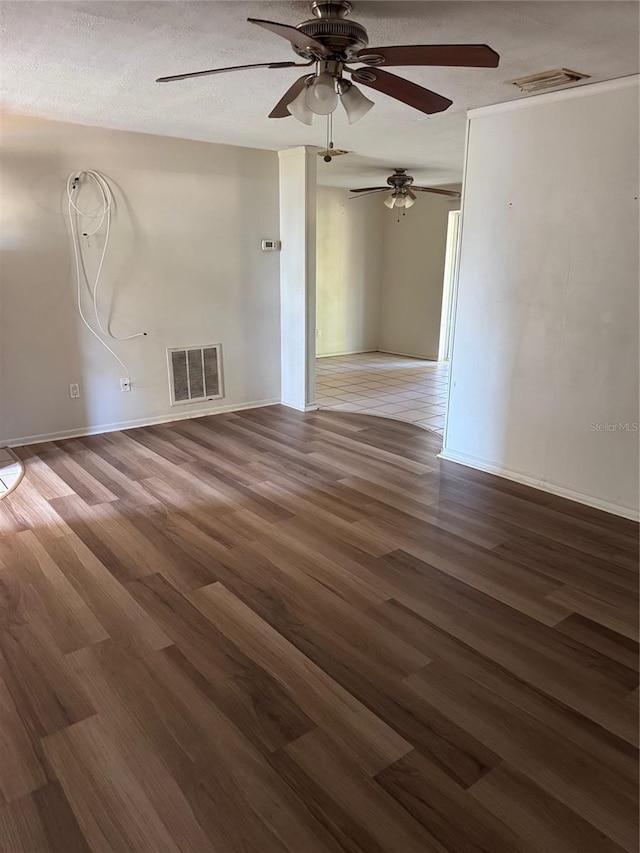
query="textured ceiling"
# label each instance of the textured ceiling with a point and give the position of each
(96, 62)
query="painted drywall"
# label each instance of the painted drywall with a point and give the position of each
(412, 277)
(544, 371)
(184, 264)
(297, 276)
(349, 271)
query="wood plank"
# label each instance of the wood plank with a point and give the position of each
(121, 616)
(620, 616)
(540, 820)
(26, 509)
(572, 674)
(26, 565)
(114, 808)
(20, 769)
(375, 744)
(378, 816)
(615, 646)
(78, 478)
(437, 803)
(584, 785)
(186, 757)
(266, 713)
(576, 729)
(478, 568)
(41, 822)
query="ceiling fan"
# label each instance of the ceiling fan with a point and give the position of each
(332, 44)
(402, 193)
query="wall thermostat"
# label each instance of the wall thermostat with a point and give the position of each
(270, 245)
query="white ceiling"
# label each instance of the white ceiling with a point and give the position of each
(96, 62)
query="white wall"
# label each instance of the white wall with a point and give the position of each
(412, 277)
(298, 276)
(379, 281)
(184, 264)
(546, 334)
(349, 268)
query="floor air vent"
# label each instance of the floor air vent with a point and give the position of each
(195, 374)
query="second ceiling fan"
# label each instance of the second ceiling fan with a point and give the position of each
(402, 192)
(332, 44)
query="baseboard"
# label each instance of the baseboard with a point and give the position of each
(309, 407)
(140, 422)
(408, 355)
(342, 352)
(536, 483)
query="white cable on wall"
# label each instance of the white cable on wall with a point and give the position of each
(102, 215)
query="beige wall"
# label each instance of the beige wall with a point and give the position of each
(544, 376)
(379, 281)
(412, 277)
(184, 264)
(349, 266)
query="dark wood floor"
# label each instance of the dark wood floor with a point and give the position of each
(266, 631)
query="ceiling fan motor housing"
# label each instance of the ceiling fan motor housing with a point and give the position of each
(343, 38)
(400, 180)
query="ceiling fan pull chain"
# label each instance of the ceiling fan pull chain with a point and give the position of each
(327, 153)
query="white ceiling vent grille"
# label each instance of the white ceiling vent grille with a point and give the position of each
(195, 374)
(548, 80)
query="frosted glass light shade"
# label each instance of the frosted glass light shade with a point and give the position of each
(408, 201)
(356, 105)
(390, 202)
(299, 109)
(321, 96)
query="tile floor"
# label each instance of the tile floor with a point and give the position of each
(393, 386)
(10, 470)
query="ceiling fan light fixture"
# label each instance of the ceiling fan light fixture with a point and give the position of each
(390, 202)
(321, 96)
(299, 109)
(408, 201)
(356, 105)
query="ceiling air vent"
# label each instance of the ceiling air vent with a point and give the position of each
(195, 373)
(547, 80)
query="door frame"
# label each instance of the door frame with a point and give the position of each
(449, 285)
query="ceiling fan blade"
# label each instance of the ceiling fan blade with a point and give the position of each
(402, 90)
(411, 195)
(232, 68)
(370, 190)
(298, 39)
(451, 193)
(280, 110)
(468, 55)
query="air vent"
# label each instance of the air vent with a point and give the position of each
(548, 80)
(195, 374)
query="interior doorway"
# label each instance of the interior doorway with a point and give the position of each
(449, 287)
(379, 298)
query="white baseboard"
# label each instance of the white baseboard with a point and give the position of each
(536, 483)
(345, 352)
(408, 355)
(309, 407)
(140, 422)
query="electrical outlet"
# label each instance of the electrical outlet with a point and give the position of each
(74, 391)
(125, 384)
(319, 333)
